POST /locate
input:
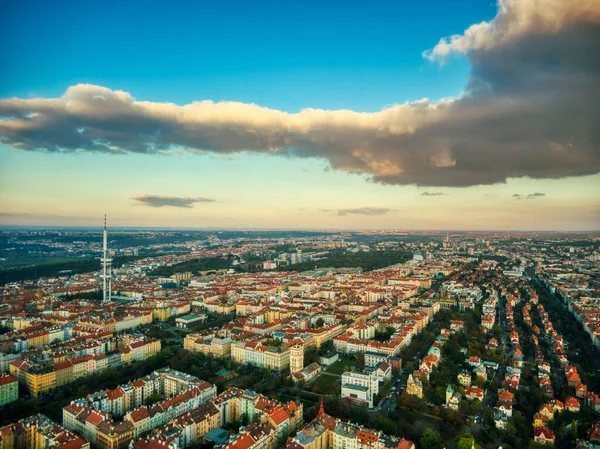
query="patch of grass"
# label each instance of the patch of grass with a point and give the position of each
(325, 384)
(338, 367)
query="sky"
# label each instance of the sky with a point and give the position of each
(466, 115)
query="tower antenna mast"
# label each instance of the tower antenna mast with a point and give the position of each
(106, 268)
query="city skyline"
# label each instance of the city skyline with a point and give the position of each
(466, 117)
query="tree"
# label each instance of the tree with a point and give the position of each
(153, 398)
(320, 322)
(275, 342)
(410, 417)
(467, 441)
(359, 415)
(474, 407)
(510, 428)
(326, 347)
(431, 439)
(360, 360)
(311, 356)
(386, 425)
(440, 393)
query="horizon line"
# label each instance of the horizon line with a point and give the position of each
(4, 227)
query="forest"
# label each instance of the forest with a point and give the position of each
(54, 269)
(367, 260)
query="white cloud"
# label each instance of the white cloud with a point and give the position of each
(515, 19)
(529, 109)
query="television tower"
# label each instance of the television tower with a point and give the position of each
(106, 268)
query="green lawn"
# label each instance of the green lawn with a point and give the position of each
(325, 384)
(338, 367)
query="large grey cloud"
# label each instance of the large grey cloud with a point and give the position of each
(530, 108)
(170, 201)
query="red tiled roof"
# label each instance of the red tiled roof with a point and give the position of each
(6, 379)
(115, 394)
(571, 402)
(95, 418)
(139, 414)
(543, 431)
(278, 415)
(243, 442)
(406, 444)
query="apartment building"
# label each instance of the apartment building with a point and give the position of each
(276, 358)
(212, 345)
(41, 376)
(94, 416)
(9, 389)
(39, 432)
(271, 423)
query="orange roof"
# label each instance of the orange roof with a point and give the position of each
(95, 418)
(366, 437)
(406, 444)
(505, 395)
(243, 442)
(139, 414)
(278, 415)
(571, 402)
(115, 394)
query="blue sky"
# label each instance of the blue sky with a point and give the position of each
(287, 56)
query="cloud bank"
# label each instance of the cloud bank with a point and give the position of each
(169, 201)
(433, 194)
(530, 196)
(370, 211)
(530, 108)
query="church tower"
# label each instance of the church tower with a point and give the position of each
(449, 394)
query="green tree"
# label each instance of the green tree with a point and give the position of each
(153, 398)
(360, 360)
(359, 415)
(467, 441)
(431, 439)
(474, 407)
(510, 428)
(440, 393)
(386, 425)
(320, 322)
